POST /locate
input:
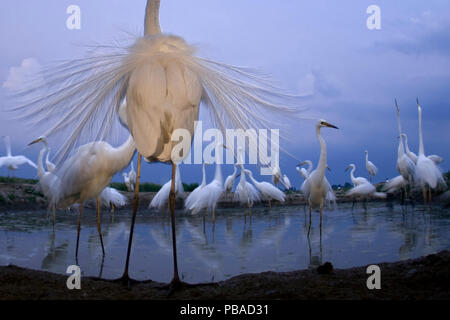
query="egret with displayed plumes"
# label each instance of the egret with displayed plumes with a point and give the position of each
(163, 81)
(315, 188)
(245, 192)
(428, 175)
(371, 168)
(13, 162)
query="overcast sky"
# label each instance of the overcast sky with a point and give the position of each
(322, 50)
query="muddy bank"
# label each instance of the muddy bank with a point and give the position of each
(424, 278)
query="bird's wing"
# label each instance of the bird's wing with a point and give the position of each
(19, 160)
(435, 158)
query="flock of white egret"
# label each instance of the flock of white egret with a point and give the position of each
(154, 87)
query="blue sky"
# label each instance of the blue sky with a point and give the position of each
(348, 74)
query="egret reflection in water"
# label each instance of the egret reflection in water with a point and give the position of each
(273, 240)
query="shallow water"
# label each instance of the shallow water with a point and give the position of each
(273, 240)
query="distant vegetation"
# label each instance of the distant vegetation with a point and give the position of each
(18, 180)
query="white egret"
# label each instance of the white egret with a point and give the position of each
(229, 181)
(245, 192)
(266, 190)
(193, 197)
(50, 165)
(276, 175)
(132, 175)
(207, 197)
(287, 182)
(394, 184)
(163, 81)
(127, 181)
(111, 197)
(48, 181)
(428, 174)
(435, 158)
(88, 171)
(365, 191)
(405, 165)
(316, 188)
(13, 162)
(161, 198)
(371, 168)
(304, 173)
(358, 180)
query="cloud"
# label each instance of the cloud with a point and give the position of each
(19, 76)
(318, 83)
(426, 33)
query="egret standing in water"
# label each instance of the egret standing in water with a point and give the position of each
(405, 165)
(428, 174)
(87, 172)
(48, 181)
(315, 188)
(208, 196)
(13, 162)
(163, 81)
(161, 198)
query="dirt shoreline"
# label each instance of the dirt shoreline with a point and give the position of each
(22, 196)
(417, 279)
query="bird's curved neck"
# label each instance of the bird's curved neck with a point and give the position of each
(406, 144)
(323, 153)
(352, 176)
(367, 157)
(122, 155)
(421, 148)
(152, 26)
(218, 174)
(250, 175)
(40, 165)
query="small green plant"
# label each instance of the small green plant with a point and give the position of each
(11, 196)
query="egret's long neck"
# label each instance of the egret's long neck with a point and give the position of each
(218, 174)
(250, 175)
(204, 175)
(323, 153)
(352, 176)
(152, 26)
(406, 143)
(367, 157)
(40, 166)
(421, 148)
(121, 156)
(310, 166)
